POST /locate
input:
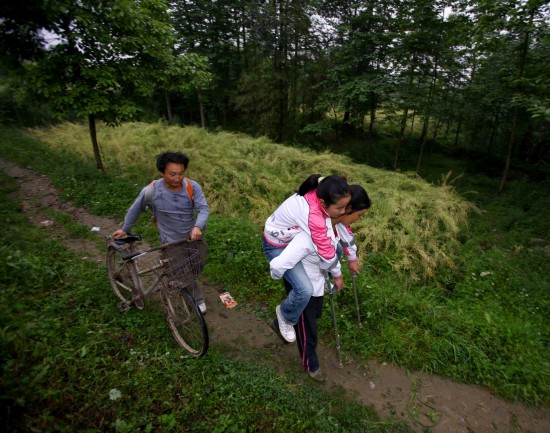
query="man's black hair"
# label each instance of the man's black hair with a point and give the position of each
(167, 157)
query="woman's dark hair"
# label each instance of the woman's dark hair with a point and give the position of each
(359, 199)
(175, 157)
(331, 188)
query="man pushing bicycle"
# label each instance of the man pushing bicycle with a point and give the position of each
(179, 207)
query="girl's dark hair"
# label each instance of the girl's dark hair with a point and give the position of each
(331, 188)
(359, 199)
(175, 157)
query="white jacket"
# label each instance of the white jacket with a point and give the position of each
(301, 249)
(303, 214)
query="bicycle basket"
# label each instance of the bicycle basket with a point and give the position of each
(182, 267)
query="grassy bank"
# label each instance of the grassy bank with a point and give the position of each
(414, 223)
(458, 293)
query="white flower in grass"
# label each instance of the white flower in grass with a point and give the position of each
(484, 274)
(114, 394)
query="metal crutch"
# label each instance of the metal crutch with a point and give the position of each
(331, 291)
(353, 275)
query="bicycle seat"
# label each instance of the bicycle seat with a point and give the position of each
(130, 238)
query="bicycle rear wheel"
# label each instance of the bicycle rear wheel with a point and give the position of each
(122, 281)
(185, 321)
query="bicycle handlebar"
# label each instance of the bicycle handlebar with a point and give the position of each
(128, 239)
(131, 238)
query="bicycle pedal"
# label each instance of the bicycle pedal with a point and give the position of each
(124, 306)
(138, 302)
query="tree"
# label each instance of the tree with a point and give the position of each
(525, 26)
(262, 56)
(510, 75)
(20, 29)
(112, 55)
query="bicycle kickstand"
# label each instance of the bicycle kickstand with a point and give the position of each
(137, 301)
(124, 306)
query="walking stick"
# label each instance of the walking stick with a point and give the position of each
(331, 291)
(353, 275)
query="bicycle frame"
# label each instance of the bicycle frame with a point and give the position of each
(146, 290)
(131, 260)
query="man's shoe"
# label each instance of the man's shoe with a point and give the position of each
(202, 307)
(287, 329)
(318, 376)
(275, 326)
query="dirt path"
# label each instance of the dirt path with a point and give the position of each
(420, 399)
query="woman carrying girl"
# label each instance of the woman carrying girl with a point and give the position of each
(301, 250)
(309, 211)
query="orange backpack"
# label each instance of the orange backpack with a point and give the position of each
(150, 189)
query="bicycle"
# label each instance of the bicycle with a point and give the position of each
(171, 269)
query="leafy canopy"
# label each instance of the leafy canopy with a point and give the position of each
(111, 56)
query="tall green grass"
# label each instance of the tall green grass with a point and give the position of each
(482, 320)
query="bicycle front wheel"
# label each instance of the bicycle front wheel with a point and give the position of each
(120, 276)
(185, 321)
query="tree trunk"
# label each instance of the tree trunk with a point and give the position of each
(516, 113)
(424, 137)
(412, 124)
(18, 116)
(404, 118)
(346, 126)
(428, 114)
(335, 114)
(414, 113)
(509, 153)
(281, 69)
(448, 127)
(438, 124)
(401, 138)
(201, 109)
(168, 106)
(458, 126)
(95, 145)
(373, 114)
(494, 130)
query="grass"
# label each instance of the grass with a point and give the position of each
(70, 362)
(483, 320)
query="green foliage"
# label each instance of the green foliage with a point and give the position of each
(108, 60)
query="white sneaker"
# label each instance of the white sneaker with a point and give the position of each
(202, 307)
(287, 329)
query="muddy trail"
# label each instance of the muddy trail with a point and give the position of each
(425, 402)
